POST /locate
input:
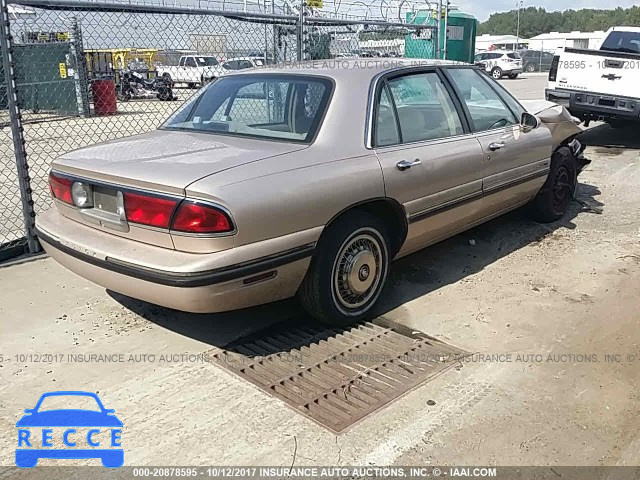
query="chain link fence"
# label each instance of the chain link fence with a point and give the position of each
(78, 72)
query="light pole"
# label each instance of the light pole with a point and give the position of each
(519, 5)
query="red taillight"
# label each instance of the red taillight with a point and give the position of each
(196, 218)
(148, 210)
(60, 188)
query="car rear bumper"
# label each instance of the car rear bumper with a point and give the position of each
(513, 71)
(203, 283)
(595, 105)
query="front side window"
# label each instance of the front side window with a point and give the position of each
(486, 107)
(424, 109)
(277, 107)
(242, 64)
(191, 62)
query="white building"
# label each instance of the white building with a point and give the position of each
(500, 42)
(554, 40)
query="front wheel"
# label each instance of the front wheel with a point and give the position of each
(553, 199)
(513, 76)
(496, 73)
(531, 67)
(348, 270)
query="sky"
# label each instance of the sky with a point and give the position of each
(483, 8)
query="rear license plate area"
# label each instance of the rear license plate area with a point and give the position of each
(105, 199)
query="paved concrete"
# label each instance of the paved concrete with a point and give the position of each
(562, 296)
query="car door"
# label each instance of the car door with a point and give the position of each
(191, 70)
(515, 161)
(431, 164)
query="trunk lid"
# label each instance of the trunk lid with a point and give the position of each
(166, 161)
(161, 162)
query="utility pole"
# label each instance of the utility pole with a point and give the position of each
(446, 27)
(519, 5)
(438, 31)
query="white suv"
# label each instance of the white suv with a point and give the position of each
(500, 63)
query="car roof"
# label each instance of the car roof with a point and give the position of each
(347, 67)
(68, 393)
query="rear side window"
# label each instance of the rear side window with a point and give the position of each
(423, 108)
(386, 128)
(513, 55)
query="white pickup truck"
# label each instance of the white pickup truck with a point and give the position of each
(601, 84)
(192, 70)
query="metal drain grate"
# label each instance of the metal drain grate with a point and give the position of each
(337, 377)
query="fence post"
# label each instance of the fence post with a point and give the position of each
(79, 68)
(17, 131)
(300, 32)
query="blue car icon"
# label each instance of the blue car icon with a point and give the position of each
(69, 418)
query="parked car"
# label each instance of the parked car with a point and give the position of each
(305, 180)
(536, 60)
(600, 84)
(192, 70)
(500, 63)
(233, 64)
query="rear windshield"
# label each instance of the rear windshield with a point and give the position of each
(278, 107)
(513, 55)
(622, 42)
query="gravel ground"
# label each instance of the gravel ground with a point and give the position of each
(546, 308)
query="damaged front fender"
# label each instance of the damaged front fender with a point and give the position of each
(559, 121)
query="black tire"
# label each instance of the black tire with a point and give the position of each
(496, 73)
(352, 254)
(553, 199)
(530, 67)
(513, 76)
(123, 96)
(167, 78)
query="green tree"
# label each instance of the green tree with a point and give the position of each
(534, 21)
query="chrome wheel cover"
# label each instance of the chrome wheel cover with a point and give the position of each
(358, 270)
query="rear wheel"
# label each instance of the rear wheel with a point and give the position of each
(348, 271)
(496, 73)
(553, 199)
(513, 76)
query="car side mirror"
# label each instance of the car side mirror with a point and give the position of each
(29, 410)
(109, 410)
(529, 122)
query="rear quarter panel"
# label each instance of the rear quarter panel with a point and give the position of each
(306, 190)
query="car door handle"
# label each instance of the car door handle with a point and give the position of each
(406, 164)
(493, 146)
